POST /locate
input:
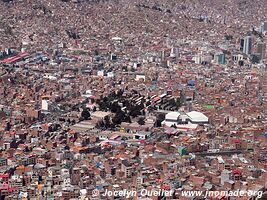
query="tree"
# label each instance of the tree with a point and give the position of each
(100, 124)
(159, 119)
(115, 107)
(128, 119)
(94, 109)
(119, 117)
(120, 93)
(134, 111)
(107, 121)
(116, 120)
(103, 105)
(85, 115)
(141, 121)
(8, 126)
(178, 102)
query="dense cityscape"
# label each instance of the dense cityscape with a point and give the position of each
(142, 99)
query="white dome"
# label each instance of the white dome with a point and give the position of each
(172, 116)
(197, 116)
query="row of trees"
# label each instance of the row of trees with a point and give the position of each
(111, 103)
(109, 123)
(114, 103)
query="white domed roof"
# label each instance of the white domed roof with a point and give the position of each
(172, 115)
(197, 116)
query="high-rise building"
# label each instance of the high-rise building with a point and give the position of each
(261, 49)
(241, 44)
(247, 45)
(220, 58)
(263, 27)
(198, 59)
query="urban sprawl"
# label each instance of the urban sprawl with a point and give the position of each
(101, 98)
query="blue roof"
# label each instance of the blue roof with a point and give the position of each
(98, 164)
(191, 82)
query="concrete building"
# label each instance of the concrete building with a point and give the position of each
(190, 118)
(140, 76)
(45, 105)
(220, 58)
(247, 45)
(261, 49)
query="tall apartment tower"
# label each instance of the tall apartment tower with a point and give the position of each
(247, 45)
(261, 49)
(219, 57)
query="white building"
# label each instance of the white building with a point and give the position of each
(100, 73)
(197, 117)
(140, 77)
(186, 120)
(110, 74)
(45, 104)
(141, 135)
(238, 57)
(172, 117)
